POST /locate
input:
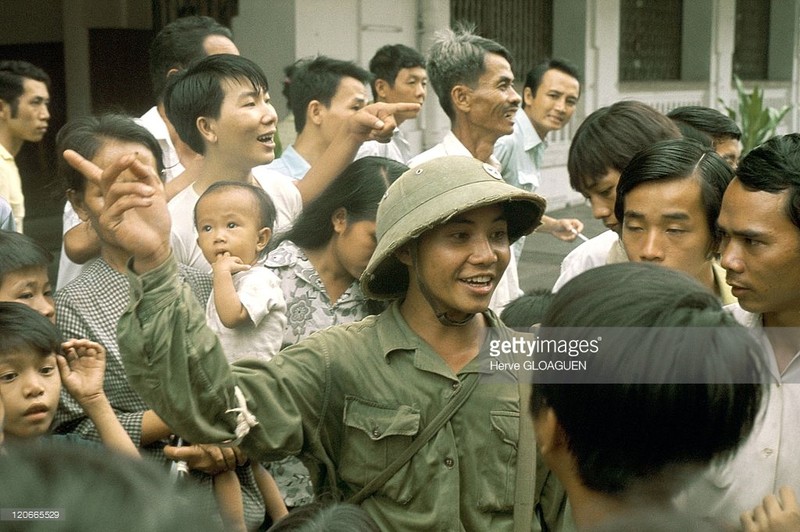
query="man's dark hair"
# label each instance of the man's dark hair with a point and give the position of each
(22, 328)
(677, 159)
(199, 91)
(528, 309)
(179, 44)
(318, 79)
(18, 252)
(88, 134)
(391, 59)
(458, 57)
(678, 398)
(706, 120)
(534, 77)
(774, 167)
(12, 79)
(610, 137)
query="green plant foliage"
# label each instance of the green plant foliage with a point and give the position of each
(758, 123)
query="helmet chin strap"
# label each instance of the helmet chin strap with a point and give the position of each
(441, 315)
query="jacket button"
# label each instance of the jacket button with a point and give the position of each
(449, 463)
(376, 433)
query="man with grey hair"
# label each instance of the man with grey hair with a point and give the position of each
(472, 77)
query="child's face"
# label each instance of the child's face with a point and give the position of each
(29, 286)
(29, 391)
(227, 221)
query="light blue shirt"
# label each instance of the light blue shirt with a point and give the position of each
(290, 163)
(521, 154)
(6, 216)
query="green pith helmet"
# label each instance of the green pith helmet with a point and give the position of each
(429, 195)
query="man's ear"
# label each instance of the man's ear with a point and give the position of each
(403, 254)
(381, 87)
(76, 200)
(5, 110)
(527, 96)
(314, 112)
(461, 96)
(264, 234)
(207, 128)
(339, 220)
(550, 435)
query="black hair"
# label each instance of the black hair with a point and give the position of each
(18, 251)
(178, 44)
(199, 91)
(358, 189)
(88, 134)
(610, 137)
(318, 79)
(389, 60)
(774, 167)
(707, 120)
(687, 398)
(22, 328)
(12, 79)
(327, 517)
(459, 57)
(528, 309)
(534, 77)
(266, 208)
(674, 160)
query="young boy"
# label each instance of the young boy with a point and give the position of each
(23, 273)
(34, 363)
(246, 309)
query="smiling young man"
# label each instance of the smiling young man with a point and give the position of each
(24, 115)
(760, 250)
(349, 396)
(549, 98)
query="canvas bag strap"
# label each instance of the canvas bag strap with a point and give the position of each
(468, 385)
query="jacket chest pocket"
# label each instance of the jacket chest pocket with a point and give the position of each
(499, 466)
(375, 434)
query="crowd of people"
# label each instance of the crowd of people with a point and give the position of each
(315, 337)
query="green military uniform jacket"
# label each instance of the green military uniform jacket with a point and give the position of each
(352, 397)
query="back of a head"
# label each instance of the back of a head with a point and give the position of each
(458, 57)
(88, 134)
(358, 190)
(678, 159)
(773, 167)
(707, 120)
(179, 44)
(610, 137)
(676, 381)
(18, 251)
(199, 91)
(13, 74)
(94, 489)
(318, 79)
(322, 517)
(528, 309)
(391, 59)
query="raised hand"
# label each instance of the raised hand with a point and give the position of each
(135, 216)
(82, 368)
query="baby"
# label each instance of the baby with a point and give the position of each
(246, 309)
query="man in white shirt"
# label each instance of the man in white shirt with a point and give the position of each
(323, 93)
(399, 75)
(760, 250)
(24, 115)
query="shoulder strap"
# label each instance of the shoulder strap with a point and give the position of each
(524, 492)
(452, 406)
